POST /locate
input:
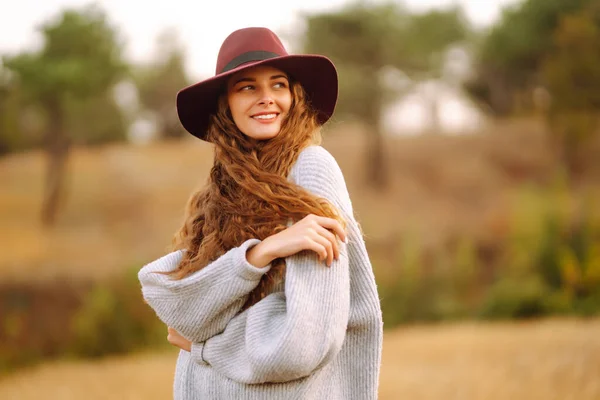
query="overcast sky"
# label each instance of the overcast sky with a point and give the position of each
(202, 28)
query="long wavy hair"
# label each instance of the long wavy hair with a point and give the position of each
(248, 194)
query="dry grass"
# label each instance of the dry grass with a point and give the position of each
(147, 376)
(551, 359)
(123, 205)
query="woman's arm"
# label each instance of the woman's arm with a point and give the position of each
(200, 305)
(288, 335)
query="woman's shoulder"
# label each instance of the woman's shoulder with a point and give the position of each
(318, 171)
(316, 161)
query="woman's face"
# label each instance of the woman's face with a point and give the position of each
(259, 99)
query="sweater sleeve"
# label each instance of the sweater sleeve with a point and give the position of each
(288, 335)
(200, 305)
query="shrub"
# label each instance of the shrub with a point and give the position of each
(75, 319)
(114, 319)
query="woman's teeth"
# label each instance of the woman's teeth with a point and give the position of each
(265, 116)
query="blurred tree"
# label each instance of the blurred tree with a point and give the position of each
(511, 54)
(10, 134)
(159, 82)
(571, 73)
(95, 120)
(365, 41)
(80, 58)
(428, 38)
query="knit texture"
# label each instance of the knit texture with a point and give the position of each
(317, 336)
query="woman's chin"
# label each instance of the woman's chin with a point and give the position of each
(263, 134)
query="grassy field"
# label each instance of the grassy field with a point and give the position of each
(550, 360)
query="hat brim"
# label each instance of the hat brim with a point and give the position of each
(316, 74)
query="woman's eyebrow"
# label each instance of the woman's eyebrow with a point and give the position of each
(279, 76)
(244, 79)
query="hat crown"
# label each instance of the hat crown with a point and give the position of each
(241, 44)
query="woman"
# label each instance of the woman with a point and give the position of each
(269, 291)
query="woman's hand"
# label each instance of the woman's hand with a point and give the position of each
(313, 233)
(177, 340)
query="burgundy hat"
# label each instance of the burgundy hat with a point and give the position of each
(247, 48)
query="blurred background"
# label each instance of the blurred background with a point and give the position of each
(467, 132)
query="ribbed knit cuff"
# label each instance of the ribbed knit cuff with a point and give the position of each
(197, 356)
(243, 267)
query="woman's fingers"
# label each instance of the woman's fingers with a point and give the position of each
(332, 224)
(172, 336)
(177, 340)
(326, 244)
(318, 244)
(331, 237)
(316, 234)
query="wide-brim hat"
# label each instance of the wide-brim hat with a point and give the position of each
(251, 47)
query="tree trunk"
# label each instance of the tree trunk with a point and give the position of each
(433, 109)
(57, 152)
(377, 174)
(501, 95)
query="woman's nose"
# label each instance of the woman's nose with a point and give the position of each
(265, 96)
(266, 100)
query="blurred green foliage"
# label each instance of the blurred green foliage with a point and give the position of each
(95, 120)
(114, 319)
(529, 47)
(521, 39)
(571, 72)
(78, 319)
(510, 55)
(549, 264)
(67, 87)
(81, 57)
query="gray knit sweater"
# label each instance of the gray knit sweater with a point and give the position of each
(317, 336)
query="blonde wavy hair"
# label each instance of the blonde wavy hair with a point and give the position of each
(248, 194)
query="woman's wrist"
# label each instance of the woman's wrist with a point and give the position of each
(259, 256)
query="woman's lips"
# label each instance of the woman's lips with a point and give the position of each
(265, 118)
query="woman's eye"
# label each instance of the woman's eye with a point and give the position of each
(247, 87)
(280, 85)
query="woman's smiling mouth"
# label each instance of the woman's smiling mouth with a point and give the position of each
(265, 117)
